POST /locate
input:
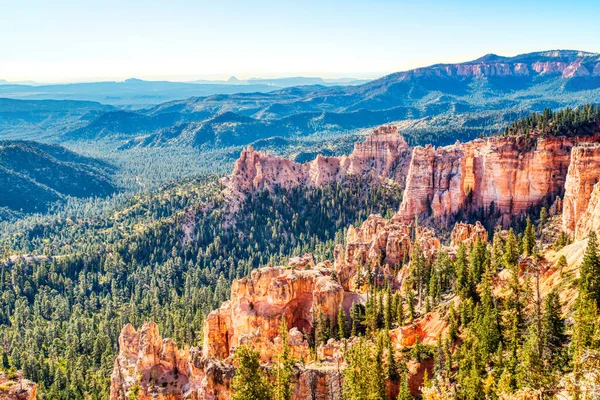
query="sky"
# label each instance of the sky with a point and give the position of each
(85, 40)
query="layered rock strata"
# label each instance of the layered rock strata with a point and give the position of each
(513, 173)
(584, 172)
(467, 233)
(258, 304)
(379, 247)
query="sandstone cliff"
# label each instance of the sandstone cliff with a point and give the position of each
(512, 172)
(567, 64)
(584, 172)
(379, 247)
(383, 155)
(258, 304)
(467, 233)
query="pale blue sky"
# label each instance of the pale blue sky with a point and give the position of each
(75, 40)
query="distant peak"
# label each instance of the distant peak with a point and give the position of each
(233, 79)
(133, 80)
(489, 58)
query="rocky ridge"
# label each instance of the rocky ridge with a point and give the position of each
(383, 155)
(507, 173)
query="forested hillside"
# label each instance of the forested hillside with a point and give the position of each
(34, 175)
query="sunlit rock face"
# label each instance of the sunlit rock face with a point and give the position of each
(468, 233)
(513, 173)
(580, 201)
(379, 247)
(258, 304)
(154, 368)
(383, 155)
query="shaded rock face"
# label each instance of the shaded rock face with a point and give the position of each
(579, 208)
(16, 387)
(258, 304)
(379, 246)
(511, 172)
(383, 155)
(467, 233)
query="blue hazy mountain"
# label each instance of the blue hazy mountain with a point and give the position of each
(463, 99)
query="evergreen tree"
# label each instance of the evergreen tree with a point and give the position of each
(250, 381)
(589, 281)
(342, 321)
(284, 368)
(529, 238)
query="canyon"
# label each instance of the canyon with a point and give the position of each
(509, 174)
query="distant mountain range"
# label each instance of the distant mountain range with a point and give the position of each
(437, 104)
(445, 102)
(34, 175)
(137, 92)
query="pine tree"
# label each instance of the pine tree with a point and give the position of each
(511, 250)
(589, 281)
(410, 301)
(529, 238)
(342, 320)
(284, 368)
(400, 311)
(249, 382)
(404, 393)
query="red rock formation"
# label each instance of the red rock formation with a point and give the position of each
(384, 154)
(155, 369)
(467, 233)
(15, 387)
(583, 174)
(257, 305)
(379, 246)
(512, 172)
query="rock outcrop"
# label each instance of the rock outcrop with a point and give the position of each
(583, 174)
(383, 155)
(258, 304)
(513, 173)
(590, 219)
(154, 368)
(467, 233)
(15, 387)
(379, 247)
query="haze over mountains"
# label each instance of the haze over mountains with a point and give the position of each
(471, 97)
(139, 93)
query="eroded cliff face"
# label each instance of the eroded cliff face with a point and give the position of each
(154, 368)
(512, 172)
(258, 304)
(383, 155)
(468, 233)
(574, 64)
(379, 247)
(579, 208)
